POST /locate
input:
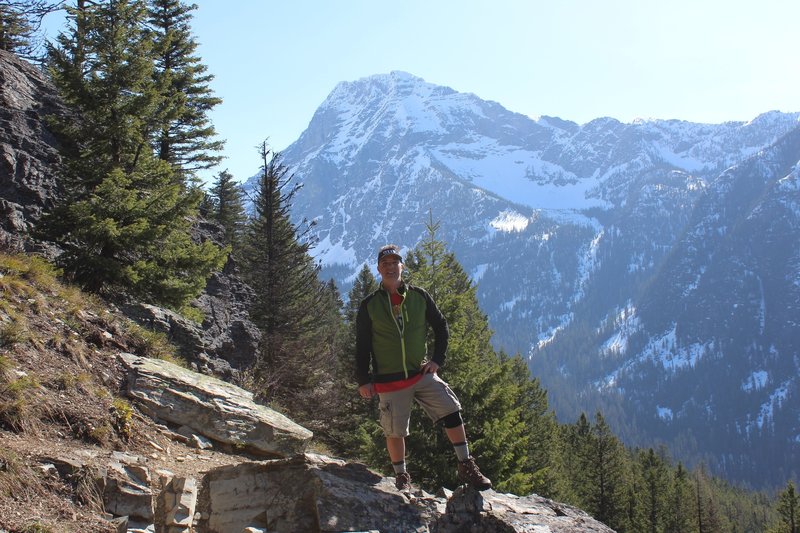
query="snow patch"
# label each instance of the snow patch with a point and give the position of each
(756, 381)
(767, 412)
(664, 413)
(329, 253)
(510, 222)
(625, 323)
(518, 174)
(664, 350)
(547, 337)
(479, 271)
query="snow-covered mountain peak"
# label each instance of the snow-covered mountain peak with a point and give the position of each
(683, 225)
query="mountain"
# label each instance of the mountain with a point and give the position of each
(649, 270)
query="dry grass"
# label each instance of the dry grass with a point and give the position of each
(62, 394)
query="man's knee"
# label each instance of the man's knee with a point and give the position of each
(453, 420)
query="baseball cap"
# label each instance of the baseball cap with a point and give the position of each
(389, 249)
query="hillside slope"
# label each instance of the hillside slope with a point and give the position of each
(61, 397)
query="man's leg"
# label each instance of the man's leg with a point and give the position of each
(468, 470)
(396, 447)
(458, 438)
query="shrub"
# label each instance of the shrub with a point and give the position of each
(13, 332)
(122, 418)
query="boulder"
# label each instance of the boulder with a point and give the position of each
(128, 490)
(493, 512)
(211, 407)
(307, 493)
(175, 505)
(311, 492)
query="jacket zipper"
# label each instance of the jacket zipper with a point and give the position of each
(400, 330)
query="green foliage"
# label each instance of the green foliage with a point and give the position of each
(679, 506)
(13, 331)
(122, 418)
(125, 220)
(789, 510)
(193, 313)
(15, 29)
(20, 21)
(293, 309)
(37, 527)
(15, 410)
(227, 208)
(599, 459)
(184, 135)
(154, 344)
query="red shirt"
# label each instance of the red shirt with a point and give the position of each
(396, 385)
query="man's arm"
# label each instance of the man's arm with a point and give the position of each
(363, 344)
(441, 333)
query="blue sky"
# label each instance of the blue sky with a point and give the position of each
(699, 60)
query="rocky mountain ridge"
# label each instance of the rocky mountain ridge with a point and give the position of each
(622, 259)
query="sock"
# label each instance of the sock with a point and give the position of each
(462, 450)
(399, 467)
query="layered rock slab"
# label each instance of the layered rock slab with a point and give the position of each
(211, 407)
(307, 493)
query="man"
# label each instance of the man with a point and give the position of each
(392, 326)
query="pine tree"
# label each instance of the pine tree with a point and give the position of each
(540, 472)
(227, 208)
(577, 456)
(604, 465)
(319, 407)
(15, 29)
(789, 509)
(679, 510)
(19, 23)
(124, 221)
(184, 136)
(289, 297)
(654, 472)
(708, 515)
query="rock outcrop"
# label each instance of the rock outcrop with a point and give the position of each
(29, 158)
(320, 494)
(211, 407)
(298, 491)
(226, 341)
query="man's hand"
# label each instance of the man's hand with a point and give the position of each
(366, 390)
(430, 368)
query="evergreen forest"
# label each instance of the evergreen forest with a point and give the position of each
(139, 134)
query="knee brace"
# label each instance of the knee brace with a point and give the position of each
(453, 420)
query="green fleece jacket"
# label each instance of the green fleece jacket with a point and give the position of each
(390, 349)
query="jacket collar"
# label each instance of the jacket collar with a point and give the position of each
(401, 289)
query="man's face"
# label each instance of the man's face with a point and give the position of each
(390, 268)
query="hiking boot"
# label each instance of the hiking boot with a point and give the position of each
(403, 482)
(470, 474)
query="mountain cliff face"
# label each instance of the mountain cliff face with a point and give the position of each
(649, 269)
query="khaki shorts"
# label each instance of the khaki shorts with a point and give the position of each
(431, 393)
